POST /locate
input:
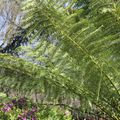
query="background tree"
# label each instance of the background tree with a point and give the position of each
(11, 31)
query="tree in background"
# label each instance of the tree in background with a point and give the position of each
(10, 28)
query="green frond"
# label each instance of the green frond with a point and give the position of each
(70, 53)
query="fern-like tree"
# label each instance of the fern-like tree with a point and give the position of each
(71, 54)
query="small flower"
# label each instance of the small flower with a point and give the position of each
(33, 118)
(14, 102)
(22, 117)
(34, 109)
(19, 117)
(21, 103)
(7, 107)
(29, 114)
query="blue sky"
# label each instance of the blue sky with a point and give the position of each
(1, 29)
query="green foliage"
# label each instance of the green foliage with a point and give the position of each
(71, 54)
(20, 109)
